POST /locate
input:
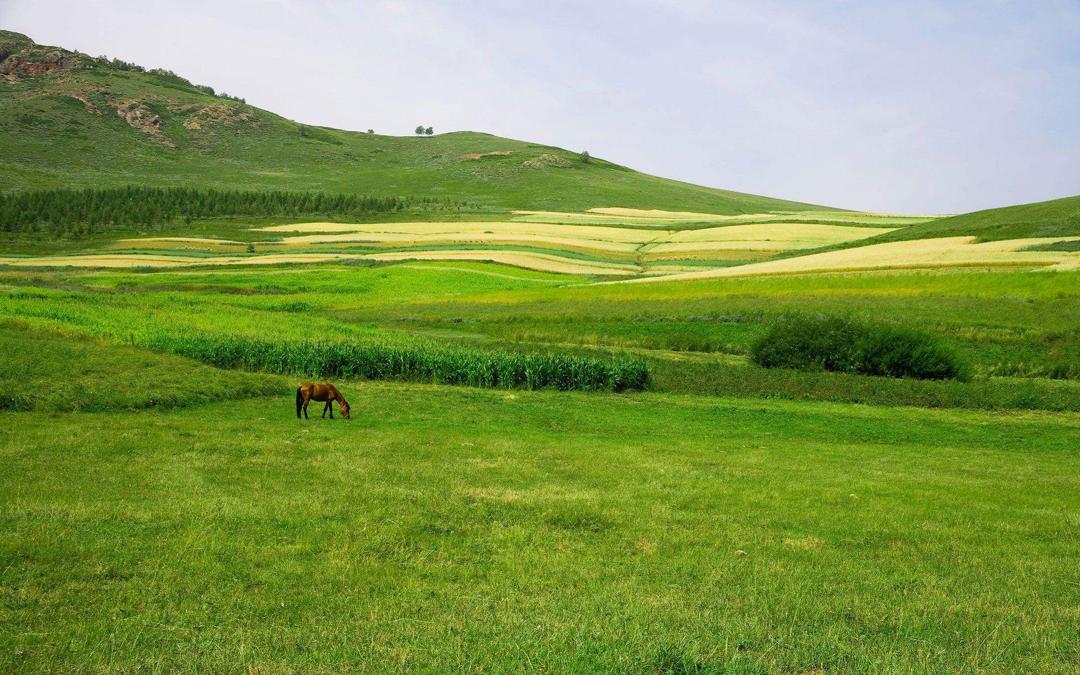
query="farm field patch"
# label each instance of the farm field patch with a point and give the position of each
(606, 250)
(919, 253)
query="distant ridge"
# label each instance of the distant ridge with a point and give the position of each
(71, 120)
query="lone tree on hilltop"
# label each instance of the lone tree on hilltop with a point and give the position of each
(585, 156)
(420, 130)
(429, 131)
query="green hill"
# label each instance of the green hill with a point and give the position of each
(1058, 217)
(71, 120)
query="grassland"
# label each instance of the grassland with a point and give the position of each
(162, 509)
(601, 533)
(1054, 218)
(700, 526)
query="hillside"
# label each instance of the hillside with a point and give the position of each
(1054, 218)
(71, 120)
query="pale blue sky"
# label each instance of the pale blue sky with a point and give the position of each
(890, 106)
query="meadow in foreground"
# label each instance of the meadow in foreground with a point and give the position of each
(455, 528)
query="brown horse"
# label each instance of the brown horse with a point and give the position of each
(313, 391)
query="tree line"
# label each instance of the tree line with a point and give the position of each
(84, 212)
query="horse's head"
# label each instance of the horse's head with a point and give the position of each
(343, 406)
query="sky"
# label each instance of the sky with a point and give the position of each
(908, 106)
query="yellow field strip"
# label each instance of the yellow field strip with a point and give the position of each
(399, 240)
(402, 231)
(918, 254)
(752, 237)
(534, 261)
(660, 219)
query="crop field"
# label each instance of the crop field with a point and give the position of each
(601, 242)
(614, 249)
(939, 253)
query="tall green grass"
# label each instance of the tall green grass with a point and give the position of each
(422, 362)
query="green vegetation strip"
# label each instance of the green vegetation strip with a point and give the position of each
(422, 363)
(83, 212)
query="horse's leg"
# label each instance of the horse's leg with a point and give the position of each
(330, 407)
(327, 405)
(307, 400)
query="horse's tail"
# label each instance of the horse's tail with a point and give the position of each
(299, 401)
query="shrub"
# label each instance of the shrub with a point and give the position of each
(841, 344)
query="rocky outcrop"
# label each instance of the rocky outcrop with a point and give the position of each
(545, 160)
(20, 57)
(224, 114)
(138, 116)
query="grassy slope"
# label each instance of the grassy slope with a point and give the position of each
(457, 529)
(45, 371)
(1058, 217)
(48, 138)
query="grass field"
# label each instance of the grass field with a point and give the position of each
(163, 514)
(603, 533)
(543, 471)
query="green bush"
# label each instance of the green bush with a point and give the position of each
(844, 345)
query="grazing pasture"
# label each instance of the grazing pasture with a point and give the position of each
(449, 529)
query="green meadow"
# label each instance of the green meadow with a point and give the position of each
(544, 470)
(452, 528)
(163, 514)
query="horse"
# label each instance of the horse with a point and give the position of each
(306, 393)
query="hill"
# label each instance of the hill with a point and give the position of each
(1054, 218)
(71, 120)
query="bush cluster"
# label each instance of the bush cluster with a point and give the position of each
(844, 345)
(421, 363)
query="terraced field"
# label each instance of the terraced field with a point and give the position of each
(622, 243)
